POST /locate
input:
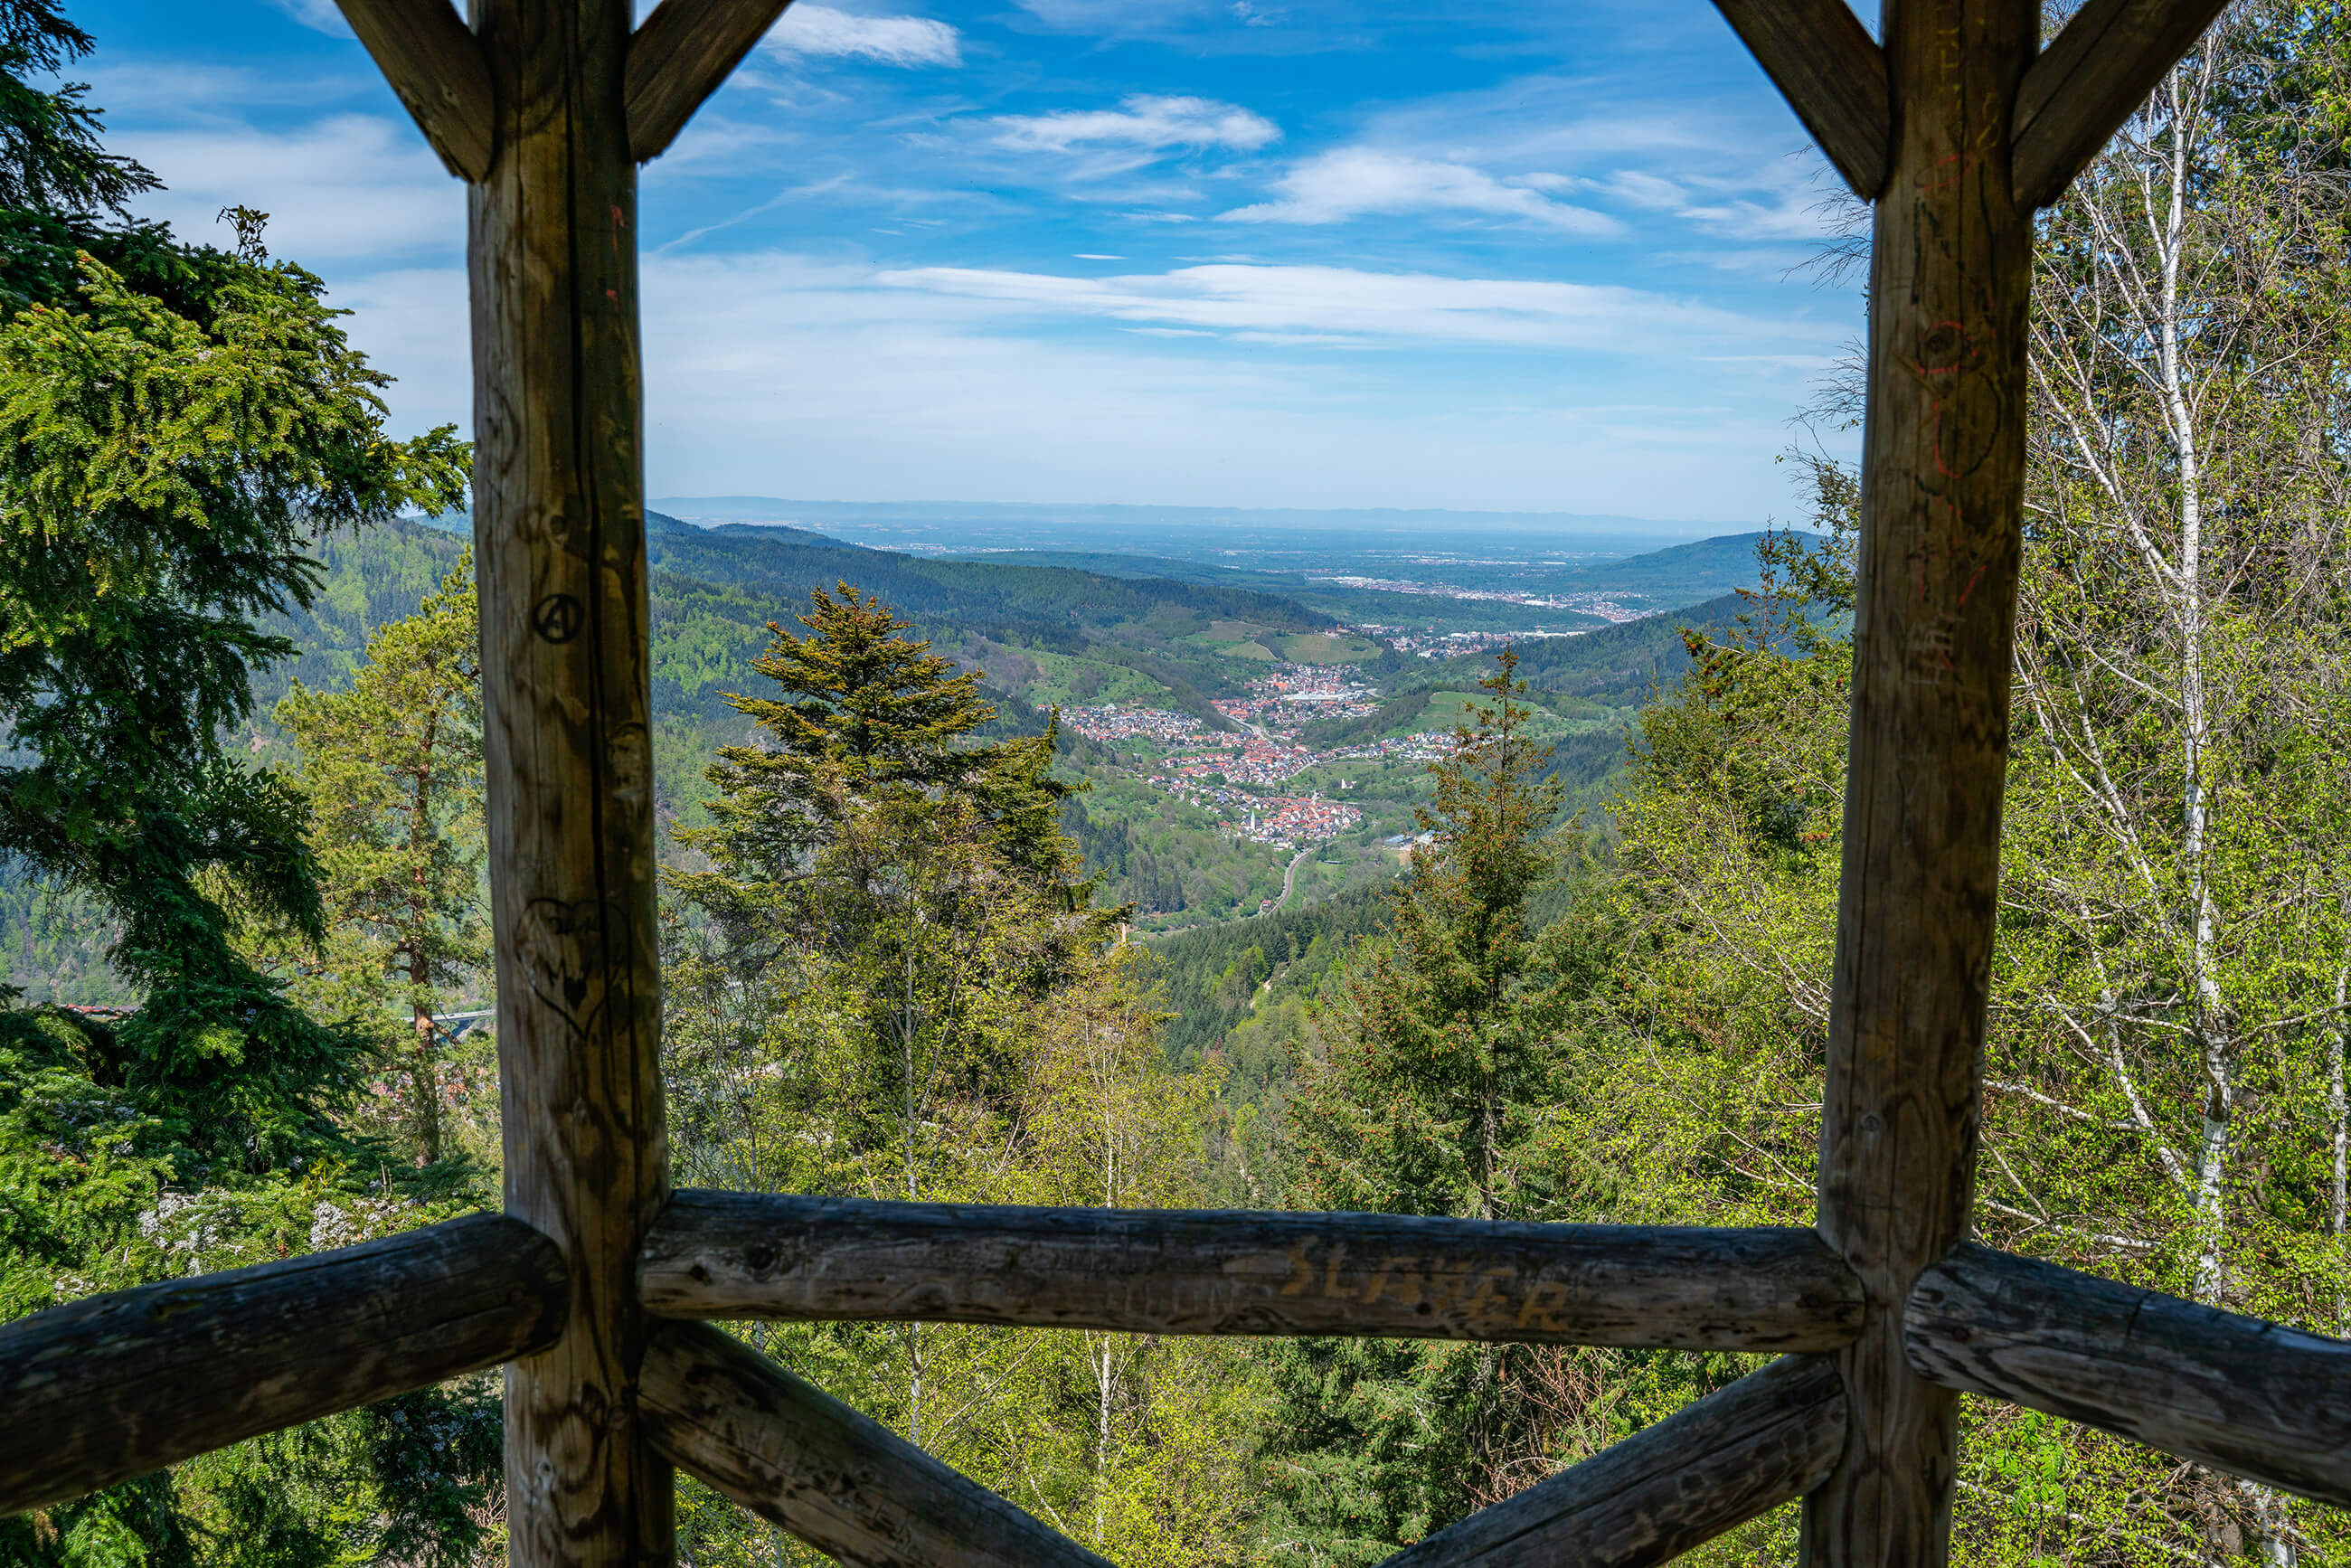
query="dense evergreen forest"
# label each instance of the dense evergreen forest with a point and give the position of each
(244, 758)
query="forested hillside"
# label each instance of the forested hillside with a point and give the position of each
(706, 631)
(1039, 636)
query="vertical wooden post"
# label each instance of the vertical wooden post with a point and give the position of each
(559, 528)
(1942, 476)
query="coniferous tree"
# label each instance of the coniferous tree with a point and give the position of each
(869, 722)
(177, 424)
(1438, 1069)
(144, 537)
(392, 764)
(164, 458)
(874, 848)
(51, 157)
(899, 990)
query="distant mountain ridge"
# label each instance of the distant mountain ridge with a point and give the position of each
(1687, 573)
(711, 510)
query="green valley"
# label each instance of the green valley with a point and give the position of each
(1077, 630)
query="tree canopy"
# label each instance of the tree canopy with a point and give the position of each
(178, 424)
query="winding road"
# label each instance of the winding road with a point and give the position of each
(1289, 881)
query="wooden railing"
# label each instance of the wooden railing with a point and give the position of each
(115, 1386)
(1165, 1271)
(118, 1385)
(1956, 126)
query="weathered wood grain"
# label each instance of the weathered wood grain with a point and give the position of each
(679, 56)
(435, 66)
(559, 547)
(841, 1481)
(1832, 73)
(2098, 68)
(738, 1255)
(1767, 1439)
(2247, 1396)
(116, 1385)
(1942, 474)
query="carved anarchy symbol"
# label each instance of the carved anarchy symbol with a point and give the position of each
(558, 617)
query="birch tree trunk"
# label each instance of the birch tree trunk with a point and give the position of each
(2168, 951)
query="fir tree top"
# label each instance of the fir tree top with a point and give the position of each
(861, 695)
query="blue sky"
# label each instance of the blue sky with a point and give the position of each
(1276, 253)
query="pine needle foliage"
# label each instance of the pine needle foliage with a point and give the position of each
(158, 483)
(177, 425)
(867, 720)
(1432, 1099)
(51, 157)
(1413, 1112)
(166, 457)
(394, 765)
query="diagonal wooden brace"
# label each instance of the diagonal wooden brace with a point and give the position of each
(1832, 73)
(438, 67)
(2244, 1395)
(2089, 79)
(116, 1385)
(1739, 1452)
(677, 57)
(841, 1481)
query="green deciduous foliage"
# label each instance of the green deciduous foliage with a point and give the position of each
(2169, 1029)
(885, 975)
(2165, 1026)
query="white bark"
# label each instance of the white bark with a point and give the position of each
(2190, 612)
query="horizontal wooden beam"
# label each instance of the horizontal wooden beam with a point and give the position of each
(677, 57)
(1177, 1272)
(116, 1385)
(841, 1481)
(438, 68)
(1742, 1451)
(2236, 1393)
(2097, 71)
(1832, 73)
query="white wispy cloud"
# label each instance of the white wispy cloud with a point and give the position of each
(340, 187)
(1356, 181)
(1142, 120)
(413, 325)
(811, 29)
(1126, 19)
(1585, 126)
(1728, 166)
(1212, 371)
(777, 368)
(772, 371)
(1344, 302)
(320, 15)
(1783, 201)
